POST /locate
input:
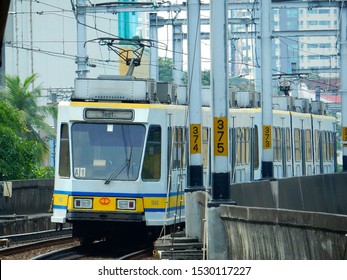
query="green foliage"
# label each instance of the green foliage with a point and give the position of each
(166, 72)
(165, 69)
(21, 147)
(42, 172)
(17, 153)
(19, 96)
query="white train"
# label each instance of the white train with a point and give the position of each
(122, 154)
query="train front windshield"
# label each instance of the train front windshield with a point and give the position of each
(107, 151)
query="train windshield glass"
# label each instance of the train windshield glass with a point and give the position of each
(107, 151)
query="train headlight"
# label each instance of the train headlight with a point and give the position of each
(126, 204)
(85, 203)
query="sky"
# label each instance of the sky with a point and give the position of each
(49, 47)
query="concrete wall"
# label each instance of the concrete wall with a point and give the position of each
(295, 218)
(28, 197)
(319, 193)
(25, 224)
(273, 234)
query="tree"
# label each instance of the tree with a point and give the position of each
(165, 69)
(166, 75)
(21, 147)
(18, 155)
(19, 96)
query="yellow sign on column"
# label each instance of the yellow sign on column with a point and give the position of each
(195, 138)
(220, 128)
(267, 137)
(344, 133)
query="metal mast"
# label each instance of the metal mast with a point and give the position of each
(81, 59)
(266, 76)
(153, 30)
(343, 83)
(220, 110)
(220, 100)
(195, 181)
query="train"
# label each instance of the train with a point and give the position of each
(122, 152)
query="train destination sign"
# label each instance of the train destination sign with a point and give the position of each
(109, 114)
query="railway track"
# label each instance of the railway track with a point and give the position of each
(96, 251)
(26, 246)
(59, 245)
(19, 239)
(32, 249)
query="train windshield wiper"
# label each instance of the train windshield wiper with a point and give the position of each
(118, 171)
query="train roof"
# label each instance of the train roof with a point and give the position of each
(128, 89)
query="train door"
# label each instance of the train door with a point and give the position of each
(288, 152)
(206, 156)
(177, 165)
(277, 152)
(297, 144)
(281, 144)
(232, 136)
(254, 160)
(303, 147)
(317, 145)
(309, 152)
(324, 144)
(319, 152)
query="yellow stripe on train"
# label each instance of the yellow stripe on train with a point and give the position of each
(98, 203)
(60, 199)
(161, 202)
(123, 204)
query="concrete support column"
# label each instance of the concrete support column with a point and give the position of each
(81, 59)
(195, 180)
(153, 31)
(220, 100)
(217, 247)
(343, 85)
(266, 75)
(177, 71)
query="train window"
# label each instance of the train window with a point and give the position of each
(277, 144)
(152, 161)
(317, 144)
(205, 146)
(297, 144)
(288, 145)
(308, 145)
(331, 146)
(247, 145)
(174, 139)
(64, 151)
(178, 148)
(256, 148)
(243, 146)
(324, 145)
(238, 146)
(184, 147)
(107, 151)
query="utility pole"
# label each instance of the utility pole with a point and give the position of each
(153, 31)
(220, 101)
(195, 181)
(343, 84)
(220, 128)
(81, 59)
(266, 76)
(177, 71)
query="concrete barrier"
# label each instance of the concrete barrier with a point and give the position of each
(25, 224)
(293, 218)
(318, 193)
(28, 197)
(273, 234)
